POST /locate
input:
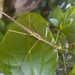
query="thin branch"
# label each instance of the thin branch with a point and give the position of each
(36, 35)
(64, 60)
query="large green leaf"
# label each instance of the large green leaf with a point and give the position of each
(23, 54)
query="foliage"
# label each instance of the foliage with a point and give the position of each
(73, 71)
(65, 24)
(19, 48)
(23, 54)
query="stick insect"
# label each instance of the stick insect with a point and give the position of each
(37, 36)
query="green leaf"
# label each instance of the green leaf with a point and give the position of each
(73, 71)
(69, 32)
(1, 37)
(2, 24)
(54, 22)
(67, 24)
(67, 17)
(23, 54)
(72, 11)
(57, 13)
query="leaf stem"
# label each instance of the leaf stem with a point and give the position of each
(64, 60)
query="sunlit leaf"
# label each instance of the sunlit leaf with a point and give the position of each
(73, 71)
(72, 11)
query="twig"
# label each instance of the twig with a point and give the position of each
(36, 35)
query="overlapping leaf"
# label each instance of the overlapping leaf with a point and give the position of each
(68, 26)
(65, 22)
